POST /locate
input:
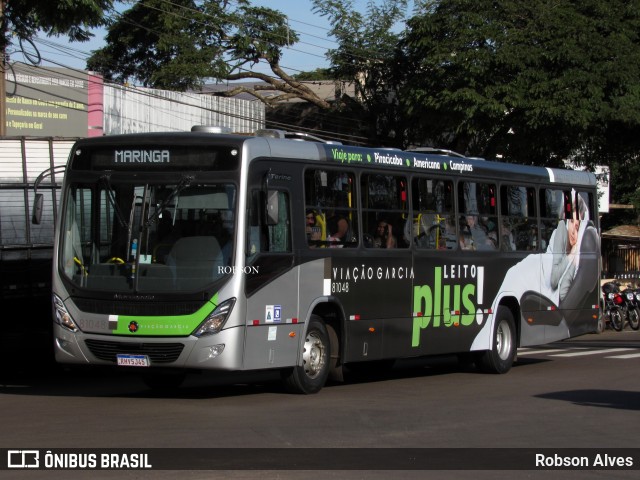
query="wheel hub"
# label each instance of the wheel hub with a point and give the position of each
(314, 356)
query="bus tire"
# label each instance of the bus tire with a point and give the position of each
(501, 356)
(312, 375)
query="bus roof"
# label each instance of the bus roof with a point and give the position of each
(308, 148)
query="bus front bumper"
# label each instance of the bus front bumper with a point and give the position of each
(221, 351)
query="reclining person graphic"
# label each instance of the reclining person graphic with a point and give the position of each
(553, 287)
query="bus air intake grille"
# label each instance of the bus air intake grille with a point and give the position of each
(157, 352)
(108, 307)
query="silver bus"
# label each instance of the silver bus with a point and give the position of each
(186, 251)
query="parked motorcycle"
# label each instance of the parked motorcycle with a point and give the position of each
(633, 307)
(615, 309)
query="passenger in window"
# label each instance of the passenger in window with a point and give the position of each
(533, 238)
(481, 240)
(313, 231)
(490, 227)
(448, 233)
(338, 231)
(384, 237)
(465, 240)
(507, 243)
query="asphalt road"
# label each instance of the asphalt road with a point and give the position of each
(582, 394)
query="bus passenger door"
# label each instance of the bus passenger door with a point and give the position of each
(271, 282)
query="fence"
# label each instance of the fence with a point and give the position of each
(621, 260)
(26, 249)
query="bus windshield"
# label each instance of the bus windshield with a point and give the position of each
(122, 235)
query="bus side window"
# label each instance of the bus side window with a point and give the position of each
(433, 220)
(280, 233)
(262, 237)
(519, 219)
(477, 202)
(553, 207)
(330, 200)
(385, 204)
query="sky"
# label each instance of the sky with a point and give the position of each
(308, 54)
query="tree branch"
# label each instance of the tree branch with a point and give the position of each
(287, 85)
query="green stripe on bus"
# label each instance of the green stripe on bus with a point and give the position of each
(173, 325)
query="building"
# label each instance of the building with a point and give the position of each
(47, 109)
(67, 103)
(620, 248)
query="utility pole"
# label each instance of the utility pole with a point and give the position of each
(3, 71)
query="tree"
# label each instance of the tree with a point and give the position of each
(536, 81)
(318, 74)
(20, 20)
(177, 45)
(366, 57)
(167, 45)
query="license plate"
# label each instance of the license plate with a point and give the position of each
(133, 360)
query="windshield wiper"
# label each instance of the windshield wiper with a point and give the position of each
(112, 200)
(185, 182)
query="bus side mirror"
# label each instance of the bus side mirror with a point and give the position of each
(272, 207)
(36, 215)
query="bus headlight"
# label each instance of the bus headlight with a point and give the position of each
(216, 320)
(62, 316)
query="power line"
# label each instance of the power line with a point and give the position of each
(117, 16)
(367, 55)
(170, 112)
(263, 31)
(82, 72)
(70, 51)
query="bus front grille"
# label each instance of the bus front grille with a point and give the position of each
(157, 352)
(110, 307)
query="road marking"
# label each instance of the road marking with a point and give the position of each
(593, 352)
(628, 355)
(534, 352)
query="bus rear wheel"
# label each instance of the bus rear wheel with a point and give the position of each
(311, 375)
(500, 357)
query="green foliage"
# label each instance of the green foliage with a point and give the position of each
(535, 81)
(177, 45)
(317, 74)
(366, 57)
(530, 81)
(22, 19)
(260, 34)
(162, 44)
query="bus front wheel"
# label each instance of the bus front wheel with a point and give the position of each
(311, 375)
(500, 357)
